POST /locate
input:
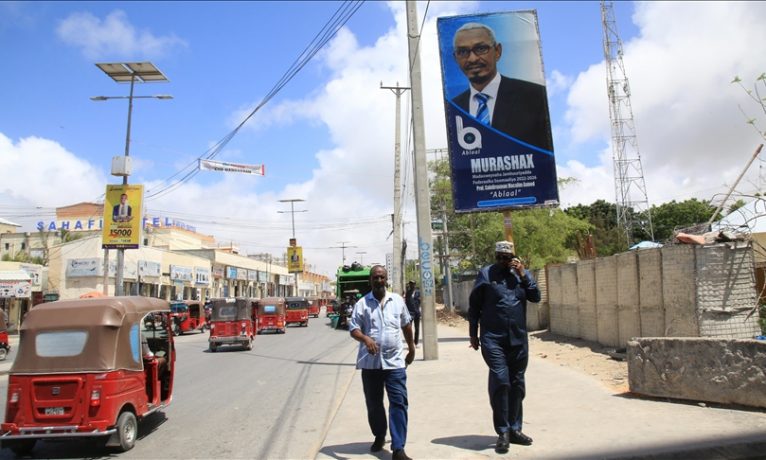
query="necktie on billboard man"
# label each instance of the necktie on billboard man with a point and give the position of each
(482, 114)
(496, 109)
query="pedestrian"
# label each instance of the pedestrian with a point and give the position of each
(378, 321)
(498, 309)
(412, 299)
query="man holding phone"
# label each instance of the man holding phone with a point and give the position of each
(498, 307)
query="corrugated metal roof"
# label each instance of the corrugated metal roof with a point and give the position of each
(14, 275)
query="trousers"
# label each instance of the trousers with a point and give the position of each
(395, 383)
(506, 387)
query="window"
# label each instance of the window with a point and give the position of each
(23, 246)
(60, 343)
(7, 246)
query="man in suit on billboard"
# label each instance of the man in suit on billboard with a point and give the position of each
(123, 211)
(518, 108)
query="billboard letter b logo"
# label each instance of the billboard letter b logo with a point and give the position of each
(469, 138)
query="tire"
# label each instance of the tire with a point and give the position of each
(305, 324)
(177, 330)
(3, 353)
(213, 347)
(21, 447)
(249, 344)
(127, 430)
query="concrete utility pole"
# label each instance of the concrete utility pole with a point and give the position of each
(292, 212)
(422, 193)
(397, 277)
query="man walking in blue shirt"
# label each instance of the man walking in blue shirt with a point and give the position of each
(498, 306)
(378, 322)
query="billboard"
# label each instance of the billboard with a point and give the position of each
(294, 259)
(496, 108)
(122, 216)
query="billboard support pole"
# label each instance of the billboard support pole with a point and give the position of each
(422, 192)
(508, 226)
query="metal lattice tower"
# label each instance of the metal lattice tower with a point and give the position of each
(630, 188)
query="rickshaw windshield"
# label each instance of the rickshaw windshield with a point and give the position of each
(298, 303)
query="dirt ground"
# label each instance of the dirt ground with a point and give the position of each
(601, 363)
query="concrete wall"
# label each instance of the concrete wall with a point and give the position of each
(606, 301)
(570, 325)
(679, 291)
(699, 369)
(556, 300)
(586, 300)
(651, 307)
(628, 297)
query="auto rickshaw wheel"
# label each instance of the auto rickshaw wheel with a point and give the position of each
(127, 430)
(249, 344)
(20, 447)
(3, 353)
(213, 347)
(177, 330)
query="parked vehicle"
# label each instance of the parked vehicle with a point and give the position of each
(297, 310)
(188, 316)
(331, 308)
(271, 315)
(314, 307)
(89, 368)
(5, 346)
(232, 323)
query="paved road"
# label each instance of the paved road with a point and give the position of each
(274, 401)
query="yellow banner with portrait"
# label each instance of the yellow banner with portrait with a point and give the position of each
(122, 216)
(294, 259)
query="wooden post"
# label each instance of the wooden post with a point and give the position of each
(508, 226)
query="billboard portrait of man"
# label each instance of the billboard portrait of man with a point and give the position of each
(516, 107)
(496, 108)
(122, 212)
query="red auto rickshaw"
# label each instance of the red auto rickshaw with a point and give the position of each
(5, 346)
(188, 315)
(331, 307)
(271, 314)
(314, 307)
(89, 368)
(232, 323)
(297, 310)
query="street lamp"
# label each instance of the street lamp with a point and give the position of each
(124, 72)
(292, 211)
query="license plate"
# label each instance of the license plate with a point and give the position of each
(54, 411)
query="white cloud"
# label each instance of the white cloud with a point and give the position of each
(113, 37)
(557, 83)
(692, 137)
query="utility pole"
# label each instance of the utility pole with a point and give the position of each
(422, 192)
(292, 215)
(398, 272)
(342, 247)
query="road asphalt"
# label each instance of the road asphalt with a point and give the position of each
(569, 414)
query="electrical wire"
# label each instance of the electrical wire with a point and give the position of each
(344, 12)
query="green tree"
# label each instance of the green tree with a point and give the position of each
(607, 236)
(668, 217)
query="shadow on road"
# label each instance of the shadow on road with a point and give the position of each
(344, 451)
(469, 442)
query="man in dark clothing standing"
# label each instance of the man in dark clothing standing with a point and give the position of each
(498, 306)
(412, 299)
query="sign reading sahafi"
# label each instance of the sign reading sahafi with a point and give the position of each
(496, 107)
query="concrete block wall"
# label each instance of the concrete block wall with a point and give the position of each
(538, 313)
(569, 315)
(586, 300)
(555, 300)
(726, 292)
(729, 371)
(606, 301)
(679, 291)
(651, 309)
(628, 318)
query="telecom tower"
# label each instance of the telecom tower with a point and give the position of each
(630, 188)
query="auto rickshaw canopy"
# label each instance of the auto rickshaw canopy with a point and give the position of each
(84, 335)
(271, 306)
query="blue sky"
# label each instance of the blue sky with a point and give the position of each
(327, 136)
